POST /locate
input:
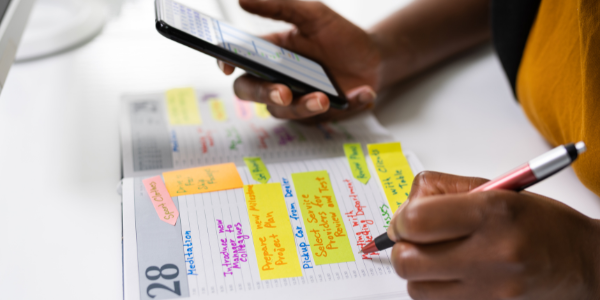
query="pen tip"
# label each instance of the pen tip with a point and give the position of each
(360, 252)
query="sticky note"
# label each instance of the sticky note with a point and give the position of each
(271, 232)
(182, 107)
(325, 228)
(203, 180)
(394, 172)
(243, 109)
(217, 109)
(257, 168)
(162, 202)
(357, 162)
(261, 110)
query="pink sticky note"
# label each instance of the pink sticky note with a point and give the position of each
(243, 108)
(161, 200)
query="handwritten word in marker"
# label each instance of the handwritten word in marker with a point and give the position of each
(203, 179)
(162, 202)
(257, 168)
(271, 232)
(357, 162)
(217, 109)
(322, 218)
(188, 253)
(394, 172)
(233, 250)
(261, 110)
(360, 223)
(243, 108)
(182, 107)
(234, 138)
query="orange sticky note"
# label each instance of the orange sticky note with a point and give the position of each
(162, 202)
(203, 179)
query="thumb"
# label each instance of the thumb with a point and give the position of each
(308, 16)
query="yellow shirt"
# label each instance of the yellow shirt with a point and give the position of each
(558, 83)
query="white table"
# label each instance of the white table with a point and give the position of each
(60, 229)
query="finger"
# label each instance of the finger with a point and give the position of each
(359, 99)
(225, 68)
(308, 16)
(447, 290)
(439, 218)
(362, 95)
(433, 183)
(248, 87)
(307, 106)
(276, 38)
(435, 262)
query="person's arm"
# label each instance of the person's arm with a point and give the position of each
(416, 37)
(427, 32)
(492, 245)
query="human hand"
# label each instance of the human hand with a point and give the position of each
(492, 245)
(320, 34)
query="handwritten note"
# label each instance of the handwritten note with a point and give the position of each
(271, 232)
(217, 109)
(182, 107)
(203, 179)
(357, 162)
(322, 218)
(257, 168)
(261, 110)
(394, 172)
(162, 202)
(243, 109)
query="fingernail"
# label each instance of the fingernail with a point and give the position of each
(221, 65)
(314, 105)
(391, 231)
(276, 97)
(367, 96)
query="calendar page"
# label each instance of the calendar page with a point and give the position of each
(185, 127)
(211, 252)
(308, 199)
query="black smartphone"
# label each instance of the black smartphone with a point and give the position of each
(253, 54)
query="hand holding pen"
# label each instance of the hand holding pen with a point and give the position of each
(452, 243)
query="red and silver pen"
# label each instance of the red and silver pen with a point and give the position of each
(519, 179)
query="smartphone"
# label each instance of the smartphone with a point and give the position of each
(250, 53)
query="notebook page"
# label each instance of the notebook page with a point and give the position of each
(225, 129)
(151, 243)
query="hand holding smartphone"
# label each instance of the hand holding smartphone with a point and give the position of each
(255, 55)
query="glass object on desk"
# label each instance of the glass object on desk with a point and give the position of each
(56, 26)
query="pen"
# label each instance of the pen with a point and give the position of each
(519, 179)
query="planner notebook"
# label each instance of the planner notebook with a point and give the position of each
(260, 208)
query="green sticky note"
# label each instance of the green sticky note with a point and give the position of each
(324, 222)
(357, 161)
(258, 169)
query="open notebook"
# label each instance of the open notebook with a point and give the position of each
(215, 249)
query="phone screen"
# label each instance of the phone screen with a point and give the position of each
(251, 47)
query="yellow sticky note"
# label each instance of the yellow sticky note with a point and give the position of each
(357, 162)
(394, 172)
(325, 228)
(203, 180)
(257, 168)
(183, 107)
(217, 109)
(261, 110)
(271, 232)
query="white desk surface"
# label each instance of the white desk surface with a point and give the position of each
(60, 229)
